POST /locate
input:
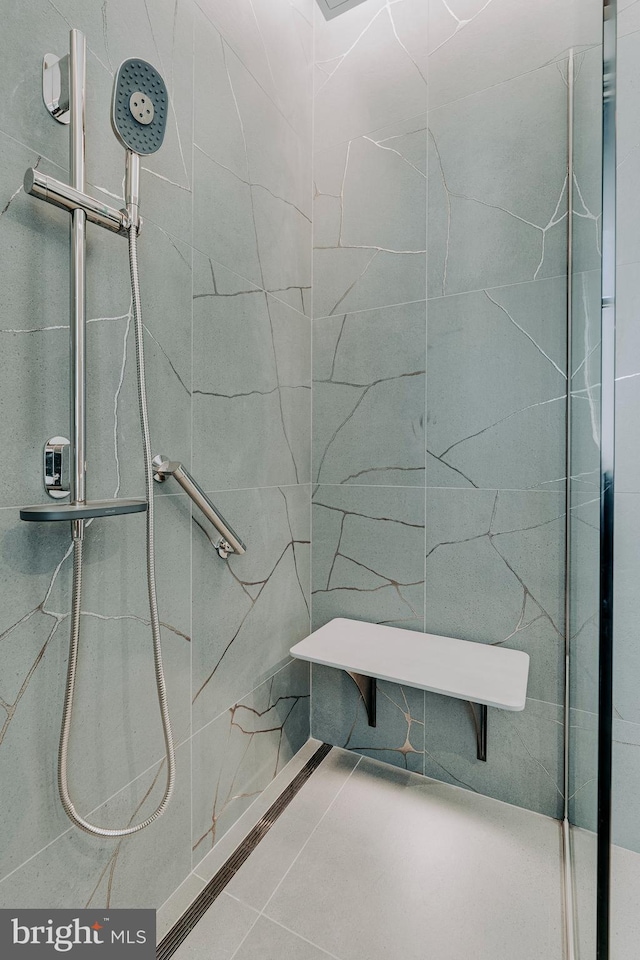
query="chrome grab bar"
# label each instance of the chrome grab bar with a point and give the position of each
(230, 542)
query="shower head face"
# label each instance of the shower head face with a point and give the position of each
(140, 107)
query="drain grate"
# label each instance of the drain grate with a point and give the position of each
(183, 927)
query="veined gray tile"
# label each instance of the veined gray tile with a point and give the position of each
(114, 449)
(503, 425)
(338, 716)
(583, 769)
(524, 752)
(286, 34)
(252, 381)
(627, 245)
(626, 777)
(626, 662)
(279, 160)
(223, 224)
(248, 612)
(224, 848)
(79, 869)
(497, 172)
(367, 554)
(369, 396)
(587, 159)
(240, 753)
(116, 732)
(584, 594)
(220, 111)
(284, 246)
(627, 380)
(370, 228)
(474, 44)
(628, 17)
(34, 336)
(165, 39)
(21, 51)
(274, 41)
(495, 575)
(350, 97)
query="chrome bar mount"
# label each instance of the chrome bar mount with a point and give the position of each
(68, 198)
(230, 542)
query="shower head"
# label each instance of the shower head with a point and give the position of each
(140, 106)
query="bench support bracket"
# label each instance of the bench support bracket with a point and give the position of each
(479, 714)
(367, 688)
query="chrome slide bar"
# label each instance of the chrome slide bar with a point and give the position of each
(230, 542)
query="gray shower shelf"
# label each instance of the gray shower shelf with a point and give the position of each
(46, 512)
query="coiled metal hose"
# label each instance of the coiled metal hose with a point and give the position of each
(76, 600)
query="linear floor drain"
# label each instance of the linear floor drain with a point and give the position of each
(183, 927)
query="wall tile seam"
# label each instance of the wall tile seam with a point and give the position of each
(236, 53)
(383, 306)
(191, 246)
(245, 696)
(270, 486)
(90, 813)
(256, 287)
(248, 182)
(553, 62)
(508, 286)
(427, 486)
(31, 149)
(369, 133)
(182, 743)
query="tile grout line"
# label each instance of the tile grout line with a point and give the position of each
(297, 935)
(303, 847)
(180, 931)
(561, 58)
(292, 864)
(187, 740)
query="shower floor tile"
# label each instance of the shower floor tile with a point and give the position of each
(374, 863)
(625, 897)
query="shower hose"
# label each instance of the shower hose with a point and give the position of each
(76, 600)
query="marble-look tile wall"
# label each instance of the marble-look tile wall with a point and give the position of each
(440, 233)
(225, 269)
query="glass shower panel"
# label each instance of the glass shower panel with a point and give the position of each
(625, 863)
(584, 525)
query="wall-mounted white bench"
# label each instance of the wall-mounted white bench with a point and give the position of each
(478, 672)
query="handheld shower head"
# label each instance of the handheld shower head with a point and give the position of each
(139, 107)
(139, 112)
